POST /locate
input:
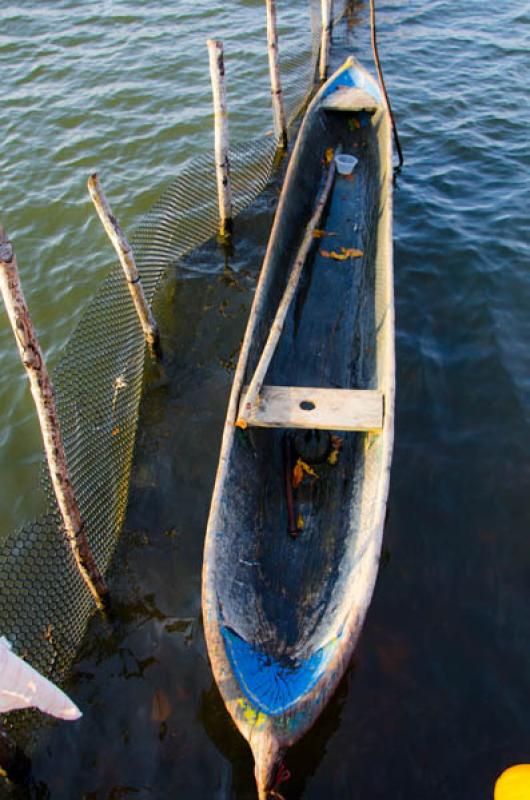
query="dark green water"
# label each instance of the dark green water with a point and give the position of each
(122, 88)
(435, 702)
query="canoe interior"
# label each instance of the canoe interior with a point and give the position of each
(283, 601)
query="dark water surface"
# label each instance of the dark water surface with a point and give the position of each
(435, 703)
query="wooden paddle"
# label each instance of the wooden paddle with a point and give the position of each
(252, 397)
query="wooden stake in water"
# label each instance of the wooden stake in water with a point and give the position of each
(126, 256)
(222, 161)
(280, 123)
(43, 395)
(325, 39)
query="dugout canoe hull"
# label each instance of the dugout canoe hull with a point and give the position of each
(281, 614)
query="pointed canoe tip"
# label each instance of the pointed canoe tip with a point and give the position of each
(267, 761)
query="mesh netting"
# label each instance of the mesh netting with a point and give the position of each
(44, 604)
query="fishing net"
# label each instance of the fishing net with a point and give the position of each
(44, 604)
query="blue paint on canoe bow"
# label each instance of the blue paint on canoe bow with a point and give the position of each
(271, 685)
(351, 76)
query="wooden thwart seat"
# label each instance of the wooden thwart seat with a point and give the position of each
(306, 407)
(350, 99)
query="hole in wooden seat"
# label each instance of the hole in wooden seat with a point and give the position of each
(307, 405)
(330, 409)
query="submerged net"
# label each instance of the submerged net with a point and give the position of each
(44, 604)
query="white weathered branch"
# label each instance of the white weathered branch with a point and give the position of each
(43, 395)
(280, 123)
(222, 161)
(252, 395)
(21, 686)
(126, 257)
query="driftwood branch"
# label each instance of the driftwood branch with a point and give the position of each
(43, 395)
(128, 263)
(292, 284)
(222, 161)
(280, 123)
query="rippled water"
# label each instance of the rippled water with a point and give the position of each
(122, 88)
(435, 703)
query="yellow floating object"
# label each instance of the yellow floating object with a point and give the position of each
(513, 784)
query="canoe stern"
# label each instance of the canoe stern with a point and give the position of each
(267, 760)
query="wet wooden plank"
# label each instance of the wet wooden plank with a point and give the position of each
(316, 408)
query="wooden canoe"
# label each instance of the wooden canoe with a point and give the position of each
(282, 613)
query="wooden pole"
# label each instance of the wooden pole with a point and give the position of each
(252, 395)
(222, 161)
(126, 256)
(325, 39)
(373, 38)
(43, 395)
(280, 123)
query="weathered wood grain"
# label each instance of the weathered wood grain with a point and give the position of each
(314, 408)
(350, 99)
(43, 396)
(128, 263)
(280, 121)
(325, 38)
(222, 160)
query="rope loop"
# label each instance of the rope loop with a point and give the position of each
(282, 776)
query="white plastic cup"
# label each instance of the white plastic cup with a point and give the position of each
(345, 164)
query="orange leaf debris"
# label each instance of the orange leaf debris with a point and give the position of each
(319, 234)
(299, 470)
(336, 444)
(298, 475)
(345, 253)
